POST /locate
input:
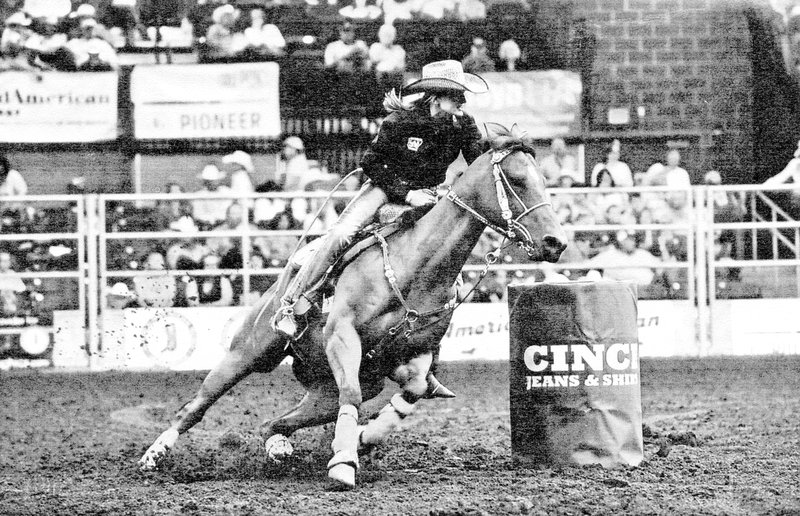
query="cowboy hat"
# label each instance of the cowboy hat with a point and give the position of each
(240, 158)
(120, 290)
(295, 143)
(211, 173)
(84, 10)
(446, 75)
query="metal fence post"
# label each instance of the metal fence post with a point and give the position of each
(701, 299)
(91, 280)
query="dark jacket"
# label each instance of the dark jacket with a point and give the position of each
(413, 150)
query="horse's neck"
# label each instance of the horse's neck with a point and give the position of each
(444, 238)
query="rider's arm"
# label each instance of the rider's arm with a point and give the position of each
(378, 163)
(471, 140)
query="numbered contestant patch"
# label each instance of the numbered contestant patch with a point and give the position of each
(414, 143)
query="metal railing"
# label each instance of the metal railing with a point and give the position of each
(97, 233)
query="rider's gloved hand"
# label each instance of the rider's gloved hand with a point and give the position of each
(421, 197)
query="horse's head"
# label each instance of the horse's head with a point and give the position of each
(512, 197)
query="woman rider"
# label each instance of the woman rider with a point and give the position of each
(406, 161)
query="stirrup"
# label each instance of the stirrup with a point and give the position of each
(283, 321)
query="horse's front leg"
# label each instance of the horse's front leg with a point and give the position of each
(343, 349)
(413, 379)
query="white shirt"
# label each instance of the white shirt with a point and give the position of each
(387, 59)
(620, 173)
(212, 210)
(659, 175)
(13, 185)
(338, 50)
(268, 36)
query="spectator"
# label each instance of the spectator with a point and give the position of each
(239, 168)
(510, 54)
(669, 174)
(214, 290)
(619, 170)
(18, 46)
(91, 53)
(120, 297)
(389, 58)
(186, 254)
(200, 16)
(360, 10)
(263, 40)
(673, 176)
(294, 171)
(84, 12)
(51, 45)
(467, 10)
(174, 214)
(478, 60)
(435, 9)
(639, 265)
(559, 163)
(347, 54)
(603, 201)
(230, 248)
(210, 212)
(10, 287)
(223, 41)
(11, 182)
(125, 16)
(397, 10)
(157, 290)
(727, 207)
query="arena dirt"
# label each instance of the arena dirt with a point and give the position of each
(723, 437)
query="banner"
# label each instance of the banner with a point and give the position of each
(206, 101)
(756, 327)
(479, 331)
(544, 103)
(56, 107)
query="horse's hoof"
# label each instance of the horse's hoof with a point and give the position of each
(278, 448)
(344, 475)
(153, 458)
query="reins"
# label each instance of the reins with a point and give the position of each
(501, 182)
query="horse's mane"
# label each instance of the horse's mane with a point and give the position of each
(501, 138)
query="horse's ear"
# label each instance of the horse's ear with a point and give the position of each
(493, 130)
(518, 132)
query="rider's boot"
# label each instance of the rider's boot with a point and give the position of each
(285, 319)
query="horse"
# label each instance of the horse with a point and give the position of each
(391, 307)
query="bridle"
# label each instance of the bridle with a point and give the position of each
(513, 225)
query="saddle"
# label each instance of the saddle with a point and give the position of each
(389, 219)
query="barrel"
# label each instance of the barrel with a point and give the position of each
(574, 374)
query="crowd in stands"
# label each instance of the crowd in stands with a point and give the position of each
(70, 36)
(636, 255)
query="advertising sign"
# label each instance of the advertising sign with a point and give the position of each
(56, 107)
(237, 100)
(544, 103)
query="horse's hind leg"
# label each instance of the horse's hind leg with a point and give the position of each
(249, 348)
(225, 375)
